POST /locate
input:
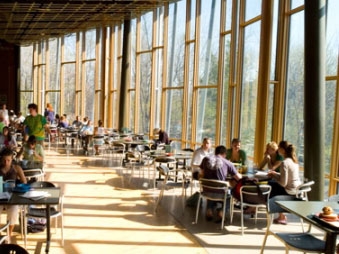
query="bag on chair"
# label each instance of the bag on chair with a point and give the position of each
(253, 199)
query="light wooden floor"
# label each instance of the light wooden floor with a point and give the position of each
(104, 213)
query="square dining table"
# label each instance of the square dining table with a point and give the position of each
(308, 212)
(53, 198)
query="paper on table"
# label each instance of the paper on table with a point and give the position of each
(5, 195)
(35, 194)
(261, 173)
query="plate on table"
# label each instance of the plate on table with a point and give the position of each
(333, 222)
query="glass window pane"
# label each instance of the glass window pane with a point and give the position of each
(145, 89)
(69, 47)
(226, 87)
(54, 64)
(249, 87)
(25, 99)
(176, 44)
(90, 43)
(69, 90)
(229, 6)
(89, 89)
(330, 99)
(26, 54)
(296, 3)
(252, 9)
(174, 110)
(332, 38)
(192, 20)
(209, 42)
(146, 31)
(206, 113)
(274, 39)
(294, 108)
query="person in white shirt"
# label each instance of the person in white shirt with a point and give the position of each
(4, 113)
(199, 154)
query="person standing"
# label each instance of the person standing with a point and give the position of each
(4, 113)
(49, 113)
(35, 124)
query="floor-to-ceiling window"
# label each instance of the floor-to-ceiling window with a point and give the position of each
(194, 70)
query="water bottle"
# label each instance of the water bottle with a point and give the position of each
(1, 184)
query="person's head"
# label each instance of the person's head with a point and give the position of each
(6, 157)
(49, 106)
(5, 131)
(31, 142)
(33, 109)
(236, 144)
(287, 150)
(156, 131)
(206, 143)
(62, 118)
(100, 123)
(77, 118)
(221, 150)
(4, 106)
(271, 147)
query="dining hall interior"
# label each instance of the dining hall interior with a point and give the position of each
(259, 71)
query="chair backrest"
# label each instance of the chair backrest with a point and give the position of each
(42, 184)
(303, 189)
(211, 185)
(12, 249)
(188, 150)
(255, 194)
(164, 170)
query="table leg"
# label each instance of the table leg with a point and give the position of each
(331, 240)
(48, 228)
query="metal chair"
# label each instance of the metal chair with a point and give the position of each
(214, 190)
(36, 173)
(253, 196)
(169, 162)
(165, 171)
(40, 212)
(5, 237)
(303, 241)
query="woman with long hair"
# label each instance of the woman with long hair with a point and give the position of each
(287, 180)
(6, 139)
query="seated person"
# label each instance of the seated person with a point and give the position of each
(218, 168)
(162, 137)
(32, 151)
(98, 136)
(86, 133)
(235, 154)
(9, 171)
(7, 140)
(62, 125)
(77, 123)
(287, 180)
(198, 155)
(271, 157)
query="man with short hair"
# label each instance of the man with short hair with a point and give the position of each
(218, 168)
(199, 154)
(35, 124)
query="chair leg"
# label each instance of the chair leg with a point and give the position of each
(197, 210)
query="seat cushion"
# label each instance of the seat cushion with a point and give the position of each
(302, 241)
